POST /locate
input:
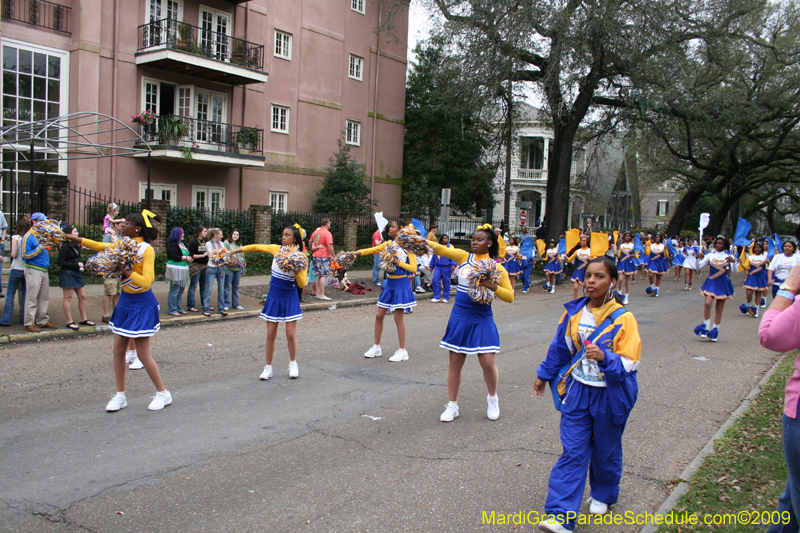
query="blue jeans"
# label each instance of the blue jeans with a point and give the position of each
(790, 499)
(376, 268)
(174, 298)
(16, 284)
(232, 278)
(527, 266)
(2, 253)
(213, 273)
(200, 278)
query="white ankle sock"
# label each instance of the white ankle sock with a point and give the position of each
(707, 323)
(716, 326)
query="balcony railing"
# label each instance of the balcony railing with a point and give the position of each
(39, 13)
(532, 174)
(174, 35)
(206, 135)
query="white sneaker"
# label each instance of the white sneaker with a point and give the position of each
(399, 355)
(293, 370)
(445, 301)
(224, 308)
(434, 300)
(267, 373)
(553, 291)
(375, 351)
(135, 364)
(524, 291)
(420, 289)
(323, 297)
(130, 355)
(625, 300)
(597, 507)
(160, 401)
(119, 401)
(552, 526)
(239, 307)
(450, 412)
(493, 411)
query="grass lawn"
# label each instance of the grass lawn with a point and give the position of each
(747, 471)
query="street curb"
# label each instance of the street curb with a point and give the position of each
(683, 487)
(195, 319)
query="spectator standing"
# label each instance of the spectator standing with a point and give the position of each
(37, 281)
(214, 273)
(780, 332)
(3, 231)
(235, 271)
(111, 287)
(541, 230)
(322, 252)
(70, 279)
(432, 233)
(197, 275)
(16, 278)
(781, 265)
(527, 254)
(177, 275)
(377, 239)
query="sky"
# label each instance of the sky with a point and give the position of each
(418, 27)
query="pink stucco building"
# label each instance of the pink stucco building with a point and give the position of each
(264, 89)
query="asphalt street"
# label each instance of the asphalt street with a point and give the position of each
(354, 444)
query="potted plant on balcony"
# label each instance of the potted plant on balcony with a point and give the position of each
(247, 139)
(184, 36)
(143, 117)
(239, 52)
(171, 130)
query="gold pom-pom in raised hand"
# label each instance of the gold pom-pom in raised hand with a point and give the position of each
(408, 239)
(482, 270)
(388, 255)
(48, 233)
(292, 259)
(112, 262)
(219, 258)
(345, 259)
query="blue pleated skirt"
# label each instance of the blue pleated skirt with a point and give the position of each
(471, 329)
(678, 261)
(136, 315)
(757, 281)
(579, 275)
(397, 294)
(627, 266)
(720, 288)
(553, 268)
(282, 305)
(513, 267)
(658, 266)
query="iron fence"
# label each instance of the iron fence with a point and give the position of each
(86, 210)
(39, 13)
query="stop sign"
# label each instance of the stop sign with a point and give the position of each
(523, 217)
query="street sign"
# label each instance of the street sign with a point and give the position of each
(445, 196)
(587, 215)
(523, 217)
(523, 205)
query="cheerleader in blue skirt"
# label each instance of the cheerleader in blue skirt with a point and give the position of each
(553, 267)
(136, 315)
(691, 251)
(677, 261)
(512, 262)
(471, 328)
(626, 265)
(756, 264)
(397, 295)
(716, 288)
(442, 273)
(583, 254)
(283, 300)
(659, 263)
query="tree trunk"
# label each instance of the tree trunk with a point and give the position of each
(632, 171)
(770, 216)
(558, 171)
(686, 204)
(509, 139)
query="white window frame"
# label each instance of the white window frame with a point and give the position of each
(353, 132)
(158, 188)
(282, 197)
(355, 70)
(285, 40)
(208, 190)
(357, 6)
(662, 211)
(223, 49)
(272, 127)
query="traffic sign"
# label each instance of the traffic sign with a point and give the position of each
(587, 215)
(523, 217)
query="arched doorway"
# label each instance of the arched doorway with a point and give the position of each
(535, 211)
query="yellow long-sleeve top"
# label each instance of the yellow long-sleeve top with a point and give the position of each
(273, 249)
(410, 266)
(583, 254)
(504, 290)
(143, 272)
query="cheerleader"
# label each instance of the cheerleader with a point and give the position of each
(283, 299)
(755, 263)
(677, 261)
(658, 264)
(781, 265)
(583, 254)
(553, 267)
(512, 262)
(690, 252)
(626, 265)
(717, 287)
(136, 315)
(471, 328)
(443, 268)
(597, 344)
(397, 295)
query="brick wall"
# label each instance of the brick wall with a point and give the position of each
(262, 222)
(159, 207)
(55, 191)
(351, 234)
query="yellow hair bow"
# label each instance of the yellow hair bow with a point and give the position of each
(485, 226)
(147, 215)
(301, 230)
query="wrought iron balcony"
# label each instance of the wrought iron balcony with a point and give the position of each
(204, 141)
(180, 47)
(530, 174)
(39, 13)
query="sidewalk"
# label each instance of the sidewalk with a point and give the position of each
(251, 290)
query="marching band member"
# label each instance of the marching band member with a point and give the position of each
(583, 254)
(755, 263)
(553, 267)
(717, 288)
(658, 264)
(626, 264)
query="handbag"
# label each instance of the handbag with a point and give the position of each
(558, 385)
(194, 268)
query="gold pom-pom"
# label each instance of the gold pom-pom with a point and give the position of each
(219, 258)
(112, 262)
(408, 240)
(292, 259)
(345, 259)
(388, 255)
(482, 270)
(48, 233)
